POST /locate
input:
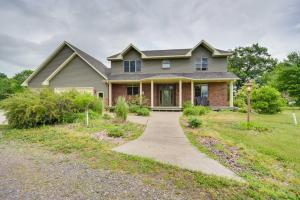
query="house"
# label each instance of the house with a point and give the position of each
(167, 78)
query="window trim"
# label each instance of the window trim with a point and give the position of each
(132, 86)
(129, 65)
(201, 67)
(100, 92)
(165, 62)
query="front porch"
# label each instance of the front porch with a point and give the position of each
(170, 94)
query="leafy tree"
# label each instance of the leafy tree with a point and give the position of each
(288, 79)
(22, 76)
(10, 86)
(251, 62)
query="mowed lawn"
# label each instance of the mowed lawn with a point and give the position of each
(268, 159)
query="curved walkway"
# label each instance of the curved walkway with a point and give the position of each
(164, 141)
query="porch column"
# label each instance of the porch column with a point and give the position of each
(141, 93)
(152, 95)
(231, 94)
(109, 95)
(180, 93)
(192, 92)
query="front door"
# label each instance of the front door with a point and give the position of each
(166, 95)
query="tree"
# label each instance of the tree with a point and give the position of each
(251, 62)
(9, 86)
(288, 79)
(22, 76)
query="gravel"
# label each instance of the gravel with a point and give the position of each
(28, 172)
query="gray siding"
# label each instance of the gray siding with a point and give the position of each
(50, 67)
(179, 65)
(78, 73)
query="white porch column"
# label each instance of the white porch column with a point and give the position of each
(180, 93)
(192, 92)
(141, 93)
(231, 94)
(152, 94)
(109, 94)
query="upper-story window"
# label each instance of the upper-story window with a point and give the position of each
(166, 64)
(202, 64)
(132, 65)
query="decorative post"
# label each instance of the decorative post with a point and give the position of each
(192, 92)
(180, 93)
(249, 85)
(231, 94)
(109, 95)
(141, 93)
(152, 95)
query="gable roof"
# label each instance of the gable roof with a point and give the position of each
(175, 53)
(98, 66)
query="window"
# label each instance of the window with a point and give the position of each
(166, 64)
(202, 64)
(126, 66)
(201, 90)
(132, 90)
(132, 65)
(100, 95)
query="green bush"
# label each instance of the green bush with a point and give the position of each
(134, 108)
(187, 104)
(106, 116)
(194, 122)
(195, 110)
(135, 100)
(143, 112)
(35, 108)
(121, 109)
(85, 101)
(252, 126)
(115, 131)
(266, 100)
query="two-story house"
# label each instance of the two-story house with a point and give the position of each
(167, 78)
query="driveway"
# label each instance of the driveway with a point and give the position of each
(164, 141)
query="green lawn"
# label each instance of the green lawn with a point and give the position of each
(262, 181)
(270, 159)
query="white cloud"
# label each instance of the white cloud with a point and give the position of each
(30, 30)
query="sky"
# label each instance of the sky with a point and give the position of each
(30, 30)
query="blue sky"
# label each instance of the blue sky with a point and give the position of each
(31, 30)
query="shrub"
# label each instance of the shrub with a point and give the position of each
(190, 111)
(195, 110)
(134, 108)
(252, 126)
(194, 122)
(106, 116)
(266, 100)
(135, 100)
(85, 101)
(121, 109)
(187, 104)
(143, 112)
(115, 131)
(241, 98)
(34, 108)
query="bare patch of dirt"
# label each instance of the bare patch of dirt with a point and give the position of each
(225, 153)
(102, 136)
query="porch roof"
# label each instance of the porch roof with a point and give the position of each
(192, 76)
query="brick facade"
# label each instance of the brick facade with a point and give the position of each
(217, 93)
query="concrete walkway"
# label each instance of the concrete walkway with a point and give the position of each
(164, 141)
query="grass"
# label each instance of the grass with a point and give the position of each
(75, 138)
(271, 167)
(268, 149)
